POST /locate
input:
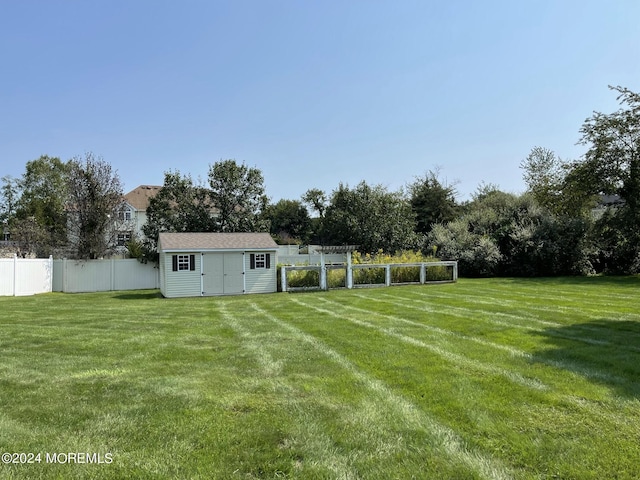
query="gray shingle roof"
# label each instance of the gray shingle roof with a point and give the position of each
(208, 241)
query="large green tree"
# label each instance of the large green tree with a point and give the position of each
(179, 206)
(44, 200)
(611, 166)
(9, 195)
(238, 193)
(432, 201)
(544, 174)
(371, 217)
(289, 221)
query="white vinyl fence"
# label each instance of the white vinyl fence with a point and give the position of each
(310, 258)
(74, 276)
(25, 276)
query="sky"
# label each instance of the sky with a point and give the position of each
(312, 93)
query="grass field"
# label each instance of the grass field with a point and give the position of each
(500, 378)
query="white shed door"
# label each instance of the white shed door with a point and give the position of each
(222, 273)
(233, 273)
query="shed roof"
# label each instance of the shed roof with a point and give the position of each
(213, 241)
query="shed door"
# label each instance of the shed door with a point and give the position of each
(233, 273)
(213, 274)
(222, 273)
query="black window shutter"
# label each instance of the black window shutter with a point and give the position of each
(174, 260)
(252, 261)
(268, 256)
(192, 262)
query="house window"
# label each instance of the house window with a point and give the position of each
(183, 262)
(123, 238)
(124, 215)
(260, 260)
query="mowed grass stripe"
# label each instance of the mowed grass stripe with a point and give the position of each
(584, 295)
(446, 440)
(446, 354)
(545, 307)
(426, 303)
(575, 368)
(316, 448)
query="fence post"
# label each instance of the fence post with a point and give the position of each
(15, 274)
(323, 273)
(423, 273)
(50, 273)
(112, 274)
(387, 275)
(64, 275)
(283, 278)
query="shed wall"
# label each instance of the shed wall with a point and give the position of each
(260, 280)
(183, 283)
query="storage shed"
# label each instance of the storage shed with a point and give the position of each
(202, 264)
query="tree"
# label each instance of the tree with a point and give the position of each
(179, 206)
(95, 196)
(30, 236)
(477, 255)
(9, 195)
(238, 193)
(611, 165)
(432, 202)
(317, 200)
(544, 175)
(371, 217)
(44, 200)
(289, 220)
(505, 234)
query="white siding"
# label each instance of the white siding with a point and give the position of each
(183, 283)
(260, 280)
(163, 277)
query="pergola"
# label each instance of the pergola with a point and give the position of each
(339, 249)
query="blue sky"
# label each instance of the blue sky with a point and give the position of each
(313, 93)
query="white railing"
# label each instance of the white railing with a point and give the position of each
(353, 280)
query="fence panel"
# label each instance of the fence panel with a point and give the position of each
(130, 274)
(75, 276)
(7, 274)
(25, 276)
(311, 259)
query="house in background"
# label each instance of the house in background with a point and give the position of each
(203, 264)
(133, 214)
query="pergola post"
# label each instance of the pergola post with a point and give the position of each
(323, 272)
(283, 278)
(349, 271)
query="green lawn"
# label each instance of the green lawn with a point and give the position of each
(501, 378)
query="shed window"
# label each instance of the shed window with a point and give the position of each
(260, 260)
(183, 262)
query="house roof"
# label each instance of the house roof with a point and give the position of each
(212, 241)
(139, 197)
